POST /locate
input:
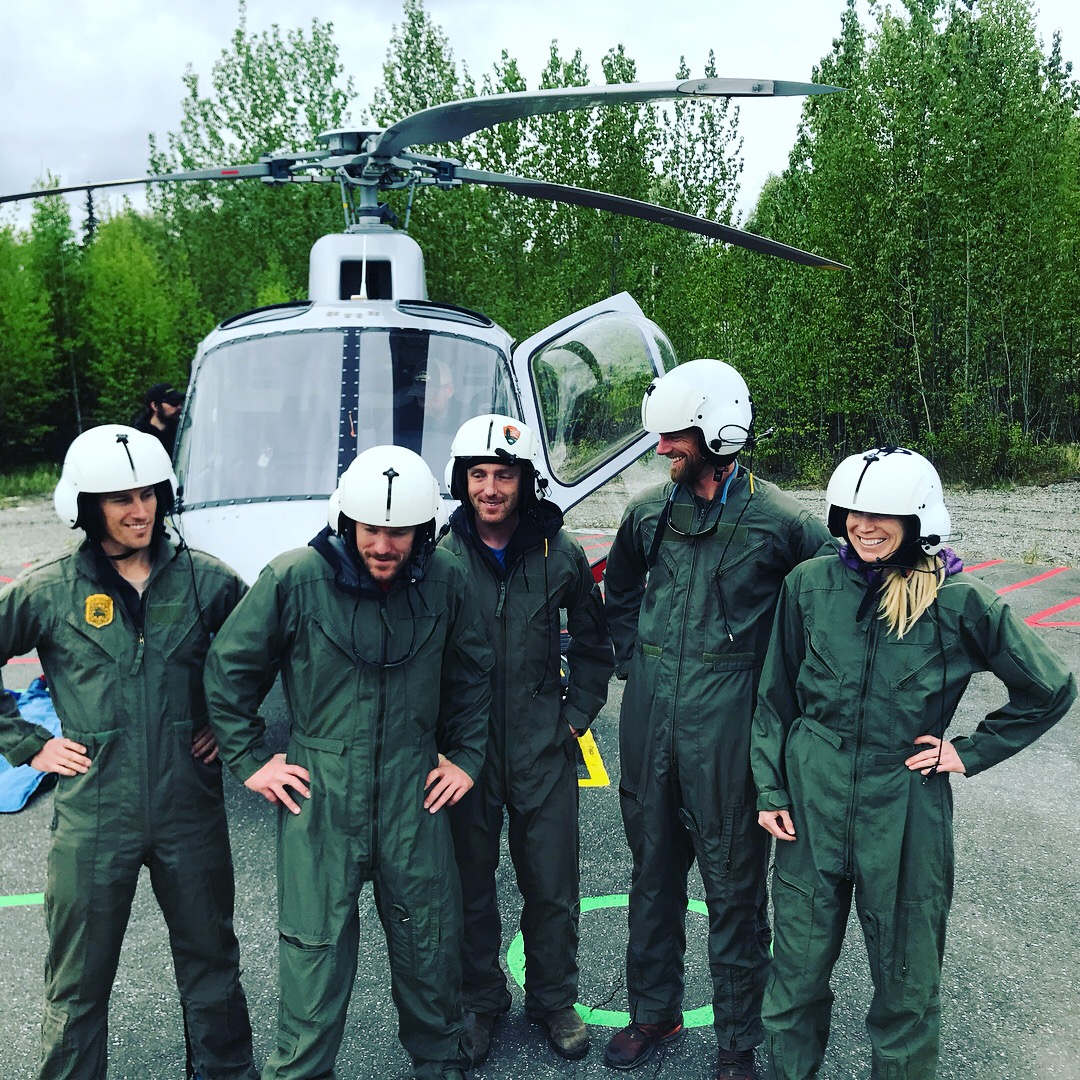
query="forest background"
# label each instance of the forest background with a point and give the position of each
(947, 177)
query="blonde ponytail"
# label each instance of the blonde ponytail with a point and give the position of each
(906, 594)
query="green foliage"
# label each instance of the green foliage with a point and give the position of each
(28, 360)
(269, 91)
(55, 257)
(527, 263)
(26, 480)
(946, 177)
(132, 318)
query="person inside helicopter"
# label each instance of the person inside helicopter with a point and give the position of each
(428, 417)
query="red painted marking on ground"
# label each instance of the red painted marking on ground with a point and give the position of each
(598, 571)
(2, 578)
(983, 565)
(24, 660)
(1037, 618)
(1032, 581)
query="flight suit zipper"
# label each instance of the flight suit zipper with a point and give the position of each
(682, 651)
(380, 727)
(868, 667)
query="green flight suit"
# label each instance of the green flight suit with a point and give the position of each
(132, 695)
(376, 685)
(531, 766)
(841, 701)
(690, 634)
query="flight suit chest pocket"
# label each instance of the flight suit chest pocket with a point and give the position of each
(177, 626)
(916, 666)
(93, 640)
(818, 655)
(328, 638)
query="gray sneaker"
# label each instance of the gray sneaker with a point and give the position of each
(566, 1031)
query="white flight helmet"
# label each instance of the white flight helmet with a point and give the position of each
(894, 481)
(110, 458)
(705, 394)
(495, 437)
(387, 486)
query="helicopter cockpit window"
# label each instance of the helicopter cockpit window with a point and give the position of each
(417, 387)
(590, 381)
(265, 414)
(262, 420)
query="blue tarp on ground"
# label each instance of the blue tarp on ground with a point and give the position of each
(18, 784)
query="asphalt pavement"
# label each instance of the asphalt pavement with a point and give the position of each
(1011, 988)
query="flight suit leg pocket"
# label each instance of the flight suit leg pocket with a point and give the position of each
(794, 918)
(917, 951)
(400, 933)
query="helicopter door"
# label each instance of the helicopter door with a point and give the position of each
(582, 381)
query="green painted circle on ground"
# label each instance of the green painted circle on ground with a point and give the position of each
(515, 961)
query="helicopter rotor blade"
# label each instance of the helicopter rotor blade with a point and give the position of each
(618, 204)
(271, 169)
(456, 119)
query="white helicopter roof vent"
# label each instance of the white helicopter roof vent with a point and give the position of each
(378, 263)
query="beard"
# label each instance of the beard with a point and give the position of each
(690, 470)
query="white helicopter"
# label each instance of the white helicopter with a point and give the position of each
(282, 398)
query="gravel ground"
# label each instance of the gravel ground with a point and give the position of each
(1035, 525)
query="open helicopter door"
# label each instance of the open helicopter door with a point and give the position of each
(582, 380)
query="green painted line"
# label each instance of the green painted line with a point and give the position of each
(515, 961)
(21, 900)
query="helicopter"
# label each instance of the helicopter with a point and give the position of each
(281, 398)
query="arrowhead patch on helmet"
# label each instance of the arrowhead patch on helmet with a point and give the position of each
(511, 434)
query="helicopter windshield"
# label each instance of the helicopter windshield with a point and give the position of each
(418, 387)
(279, 416)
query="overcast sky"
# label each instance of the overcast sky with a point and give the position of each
(84, 82)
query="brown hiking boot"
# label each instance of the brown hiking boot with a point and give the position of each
(566, 1032)
(636, 1043)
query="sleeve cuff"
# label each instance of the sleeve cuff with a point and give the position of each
(250, 763)
(777, 799)
(27, 747)
(576, 719)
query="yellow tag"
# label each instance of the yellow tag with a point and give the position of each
(99, 610)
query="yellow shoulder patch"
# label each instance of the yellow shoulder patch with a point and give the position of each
(99, 610)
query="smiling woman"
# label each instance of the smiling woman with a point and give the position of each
(870, 654)
(874, 536)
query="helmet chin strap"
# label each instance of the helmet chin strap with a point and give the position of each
(123, 555)
(720, 469)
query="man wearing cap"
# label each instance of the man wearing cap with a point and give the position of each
(385, 669)
(160, 414)
(524, 570)
(122, 626)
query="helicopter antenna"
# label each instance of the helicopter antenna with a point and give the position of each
(363, 271)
